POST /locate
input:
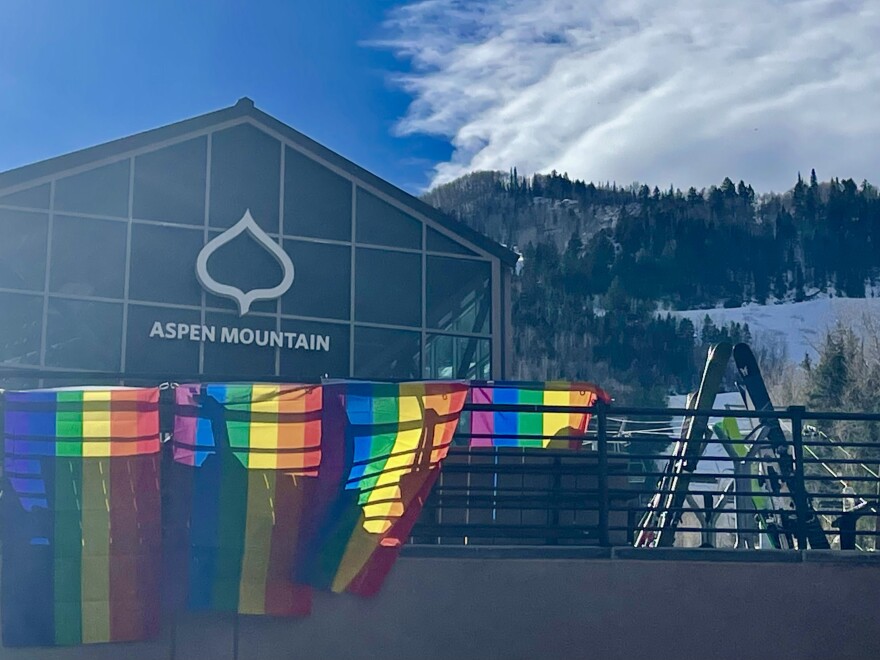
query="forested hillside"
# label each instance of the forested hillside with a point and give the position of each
(599, 260)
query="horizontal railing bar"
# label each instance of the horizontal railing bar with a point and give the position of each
(568, 531)
(665, 413)
(731, 475)
(730, 497)
(588, 452)
(506, 527)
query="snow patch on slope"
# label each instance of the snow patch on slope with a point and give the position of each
(800, 327)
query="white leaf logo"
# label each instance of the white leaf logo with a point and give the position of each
(243, 299)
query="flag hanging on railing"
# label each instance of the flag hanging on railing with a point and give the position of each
(82, 532)
(271, 427)
(556, 430)
(383, 446)
(245, 458)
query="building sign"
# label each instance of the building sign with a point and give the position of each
(243, 299)
(244, 336)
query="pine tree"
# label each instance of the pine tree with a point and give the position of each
(616, 298)
(799, 195)
(709, 333)
(780, 288)
(829, 377)
(728, 189)
(798, 284)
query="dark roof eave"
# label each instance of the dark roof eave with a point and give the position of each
(245, 108)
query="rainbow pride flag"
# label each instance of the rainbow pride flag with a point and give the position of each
(269, 427)
(383, 446)
(244, 461)
(82, 532)
(531, 429)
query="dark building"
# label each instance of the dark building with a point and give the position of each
(230, 245)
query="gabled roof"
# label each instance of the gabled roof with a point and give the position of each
(245, 108)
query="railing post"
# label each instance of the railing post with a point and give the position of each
(602, 477)
(800, 495)
(555, 498)
(847, 526)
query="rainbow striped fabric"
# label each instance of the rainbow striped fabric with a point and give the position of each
(383, 445)
(531, 429)
(270, 427)
(82, 539)
(244, 455)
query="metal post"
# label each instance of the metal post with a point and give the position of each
(847, 526)
(800, 495)
(555, 499)
(602, 477)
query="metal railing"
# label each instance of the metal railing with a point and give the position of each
(598, 495)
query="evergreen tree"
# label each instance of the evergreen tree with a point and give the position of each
(728, 189)
(616, 298)
(799, 196)
(829, 376)
(798, 284)
(780, 288)
(709, 333)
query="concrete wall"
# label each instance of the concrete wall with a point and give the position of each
(491, 603)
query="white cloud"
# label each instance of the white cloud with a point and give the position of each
(682, 91)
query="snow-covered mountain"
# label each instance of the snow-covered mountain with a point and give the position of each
(800, 327)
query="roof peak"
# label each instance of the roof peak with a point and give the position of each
(34, 173)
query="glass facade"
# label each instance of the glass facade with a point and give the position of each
(98, 270)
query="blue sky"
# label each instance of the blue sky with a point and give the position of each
(75, 74)
(676, 92)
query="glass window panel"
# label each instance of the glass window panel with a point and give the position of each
(23, 240)
(322, 285)
(84, 334)
(459, 294)
(169, 184)
(437, 242)
(163, 264)
(317, 202)
(245, 174)
(309, 363)
(388, 287)
(448, 356)
(102, 191)
(245, 358)
(30, 198)
(484, 360)
(88, 257)
(21, 322)
(381, 353)
(440, 357)
(379, 223)
(149, 350)
(247, 265)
